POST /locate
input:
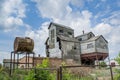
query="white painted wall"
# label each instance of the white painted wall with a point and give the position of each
(55, 52)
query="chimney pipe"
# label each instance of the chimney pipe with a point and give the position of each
(38, 55)
(83, 31)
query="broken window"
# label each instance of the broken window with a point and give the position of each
(70, 33)
(61, 31)
(52, 35)
(80, 39)
(90, 45)
(75, 48)
(90, 36)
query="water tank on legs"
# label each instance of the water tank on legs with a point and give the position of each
(23, 44)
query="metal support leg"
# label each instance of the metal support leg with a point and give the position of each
(33, 59)
(110, 68)
(28, 60)
(60, 72)
(11, 64)
(14, 62)
(17, 60)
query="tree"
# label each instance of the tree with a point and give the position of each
(117, 76)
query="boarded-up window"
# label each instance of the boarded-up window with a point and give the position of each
(80, 39)
(90, 45)
(61, 31)
(52, 35)
(52, 38)
(89, 36)
(70, 33)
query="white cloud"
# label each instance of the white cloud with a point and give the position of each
(5, 55)
(11, 14)
(52, 8)
(39, 36)
(114, 19)
(79, 21)
(103, 29)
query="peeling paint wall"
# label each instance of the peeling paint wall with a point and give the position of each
(71, 50)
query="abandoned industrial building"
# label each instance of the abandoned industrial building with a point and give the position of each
(83, 49)
(61, 45)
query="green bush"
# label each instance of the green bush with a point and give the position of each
(30, 76)
(117, 76)
(4, 75)
(40, 73)
(19, 74)
(103, 64)
(86, 78)
(66, 73)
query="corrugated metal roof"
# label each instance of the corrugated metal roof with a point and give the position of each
(67, 38)
(59, 25)
(84, 34)
(91, 39)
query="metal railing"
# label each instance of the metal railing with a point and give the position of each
(79, 72)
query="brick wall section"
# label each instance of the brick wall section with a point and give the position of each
(54, 62)
(23, 60)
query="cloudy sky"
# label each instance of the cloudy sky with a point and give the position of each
(32, 17)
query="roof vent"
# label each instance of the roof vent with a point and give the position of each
(83, 31)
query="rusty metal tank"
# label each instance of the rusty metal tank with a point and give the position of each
(23, 44)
